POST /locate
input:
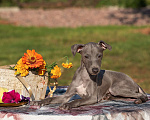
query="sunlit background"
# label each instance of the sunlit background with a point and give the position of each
(130, 43)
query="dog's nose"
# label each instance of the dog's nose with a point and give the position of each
(95, 70)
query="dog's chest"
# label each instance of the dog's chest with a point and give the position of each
(81, 90)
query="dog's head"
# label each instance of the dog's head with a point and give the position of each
(92, 54)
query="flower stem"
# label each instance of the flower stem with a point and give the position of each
(64, 58)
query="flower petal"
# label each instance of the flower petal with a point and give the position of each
(32, 59)
(11, 97)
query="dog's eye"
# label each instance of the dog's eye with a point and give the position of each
(86, 56)
(99, 56)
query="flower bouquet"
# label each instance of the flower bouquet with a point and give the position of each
(34, 74)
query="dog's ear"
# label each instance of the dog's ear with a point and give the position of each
(104, 45)
(77, 48)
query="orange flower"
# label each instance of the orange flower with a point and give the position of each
(67, 65)
(42, 69)
(21, 68)
(32, 59)
(56, 72)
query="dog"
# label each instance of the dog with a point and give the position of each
(93, 84)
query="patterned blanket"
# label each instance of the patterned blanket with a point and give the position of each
(105, 110)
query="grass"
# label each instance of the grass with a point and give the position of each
(81, 3)
(130, 53)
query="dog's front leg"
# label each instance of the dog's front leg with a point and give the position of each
(78, 102)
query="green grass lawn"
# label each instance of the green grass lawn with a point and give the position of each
(130, 53)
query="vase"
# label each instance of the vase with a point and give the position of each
(32, 85)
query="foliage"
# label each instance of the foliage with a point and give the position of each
(73, 3)
(134, 3)
(48, 3)
(130, 48)
(123, 3)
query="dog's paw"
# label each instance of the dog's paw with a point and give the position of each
(66, 106)
(36, 103)
(108, 96)
(138, 101)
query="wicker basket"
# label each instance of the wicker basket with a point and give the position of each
(32, 85)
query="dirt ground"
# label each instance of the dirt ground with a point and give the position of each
(75, 17)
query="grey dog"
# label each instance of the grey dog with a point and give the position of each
(93, 84)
